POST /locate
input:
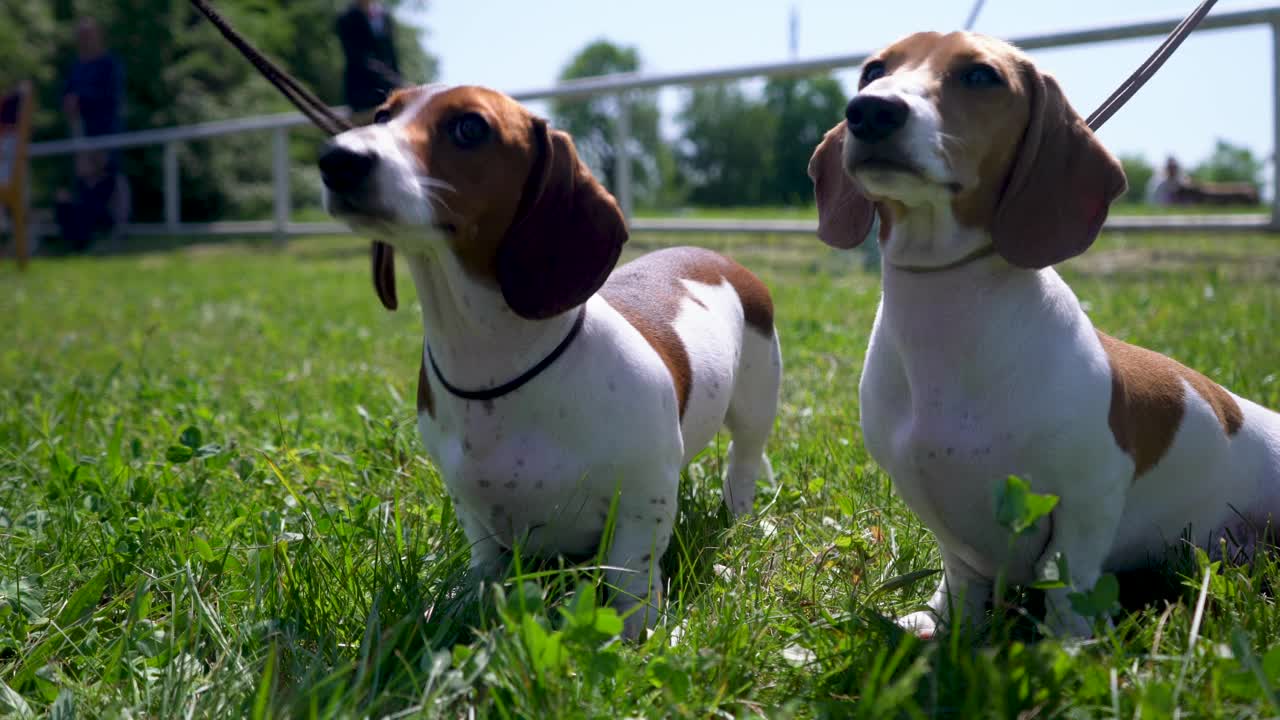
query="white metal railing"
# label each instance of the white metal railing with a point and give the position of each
(620, 85)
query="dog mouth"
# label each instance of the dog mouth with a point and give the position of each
(893, 164)
(357, 212)
(366, 215)
(376, 220)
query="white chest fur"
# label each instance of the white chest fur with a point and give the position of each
(971, 376)
(540, 467)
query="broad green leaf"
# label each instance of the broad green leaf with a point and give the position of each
(179, 454)
(1101, 600)
(12, 704)
(83, 599)
(190, 437)
(902, 581)
(202, 548)
(1018, 509)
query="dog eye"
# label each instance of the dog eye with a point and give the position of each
(871, 72)
(981, 76)
(382, 116)
(469, 130)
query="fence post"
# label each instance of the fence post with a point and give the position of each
(1275, 125)
(172, 200)
(280, 182)
(621, 156)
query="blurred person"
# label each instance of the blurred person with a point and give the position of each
(92, 102)
(366, 30)
(1165, 184)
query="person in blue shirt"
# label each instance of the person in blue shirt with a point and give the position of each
(92, 100)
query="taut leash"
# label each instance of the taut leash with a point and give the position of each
(1147, 69)
(310, 105)
(328, 121)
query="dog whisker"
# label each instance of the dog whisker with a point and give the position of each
(431, 183)
(434, 199)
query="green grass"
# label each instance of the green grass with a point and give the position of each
(811, 213)
(213, 503)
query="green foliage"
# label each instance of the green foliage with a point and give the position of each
(304, 560)
(29, 42)
(735, 149)
(1018, 509)
(805, 108)
(1230, 163)
(592, 123)
(178, 71)
(727, 153)
(1139, 173)
(743, 150)
(1100, 601)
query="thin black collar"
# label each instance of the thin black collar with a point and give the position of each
(516, 384)
(980, 253)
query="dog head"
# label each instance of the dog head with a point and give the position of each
(469, 171)
(966, 123)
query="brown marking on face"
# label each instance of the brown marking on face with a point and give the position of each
(425, 402)
(647, 292)
(488, 180)
(519, 208)
(1023, 164)
(1148, 399)
(981, 126)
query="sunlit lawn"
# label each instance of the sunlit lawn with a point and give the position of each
(213, 503)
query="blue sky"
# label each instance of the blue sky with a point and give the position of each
(1218, 85)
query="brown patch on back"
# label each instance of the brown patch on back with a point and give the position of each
(647, 292)
(1148, 399)
(425, 402)
(710, 268)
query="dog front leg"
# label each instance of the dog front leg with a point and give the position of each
(642, 531)
(961, 596)
(1083, 533)
(486, 552)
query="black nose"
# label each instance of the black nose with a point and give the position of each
(344, 170)
(873, 118)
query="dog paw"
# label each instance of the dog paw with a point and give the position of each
(638, 620)
(923, 624)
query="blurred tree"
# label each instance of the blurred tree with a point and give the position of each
(805, 109)
(727, 154)
(29, 42)
(1139, 173)
(1230, 163)
(592, 123)
(179, 70)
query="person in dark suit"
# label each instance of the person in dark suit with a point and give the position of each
(92, 101)
(372, 71)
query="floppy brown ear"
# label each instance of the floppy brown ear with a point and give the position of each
(567, 234)
(844, 213)
(384, 273)
(1062, 183)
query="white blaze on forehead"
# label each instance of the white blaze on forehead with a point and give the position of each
(398, 177)
(922, 138)
(421, 97)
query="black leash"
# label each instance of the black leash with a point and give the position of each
(1147, 69)
(510, 387)
(325, 119)
(310, 105)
